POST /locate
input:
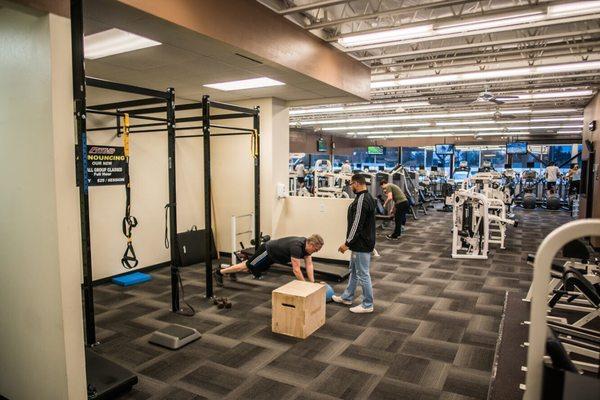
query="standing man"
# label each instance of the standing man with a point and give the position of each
(346, 168)
(574, 176)
(300, 173)
(360, 240)
(401, 206)
(552, 174)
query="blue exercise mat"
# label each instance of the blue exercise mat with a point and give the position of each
(133, 278)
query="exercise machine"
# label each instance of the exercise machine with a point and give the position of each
(551, 380)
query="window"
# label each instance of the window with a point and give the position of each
(413, 157)
(496, 157)
(391, 156)
(471, 156)
(433, 160)
(339, 159)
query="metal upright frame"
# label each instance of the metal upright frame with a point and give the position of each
(156, 124)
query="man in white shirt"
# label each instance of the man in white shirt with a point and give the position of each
(552, 174)
(300, 173)
(346, 168)
(574, 176)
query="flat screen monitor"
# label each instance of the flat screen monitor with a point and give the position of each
(321, 145)
(358, 166)
(516, 148)
(381, 167)
(434, 168)
(375, 150)
(444, 149)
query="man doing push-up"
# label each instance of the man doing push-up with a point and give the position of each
(292, 249)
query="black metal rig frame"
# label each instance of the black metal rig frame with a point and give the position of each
(166, 100)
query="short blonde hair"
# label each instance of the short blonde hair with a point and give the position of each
(316, 239)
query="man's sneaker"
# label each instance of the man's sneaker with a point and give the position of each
(233, 277)
(218, 277)
(338, 299)
(360, 309)
(392, 237)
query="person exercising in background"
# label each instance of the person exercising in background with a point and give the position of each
(401, 206)
(300, 173)
(282, 251)
(552, 174)
(346, 168)
(574, 177)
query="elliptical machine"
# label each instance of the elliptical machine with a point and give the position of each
(529, 180)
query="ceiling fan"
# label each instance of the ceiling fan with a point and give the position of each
(488, 97)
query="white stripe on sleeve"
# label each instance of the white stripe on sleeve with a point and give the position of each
(356, 218)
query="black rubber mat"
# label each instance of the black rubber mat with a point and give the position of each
(432, 336)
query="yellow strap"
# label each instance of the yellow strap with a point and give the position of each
(255, 149)
(126, 134)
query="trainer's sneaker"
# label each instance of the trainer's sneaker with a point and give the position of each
(392, 237)
(218, 277)
(360, 309)
(338, 299)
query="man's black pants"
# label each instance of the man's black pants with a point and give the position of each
(400, 209)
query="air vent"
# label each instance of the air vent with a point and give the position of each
(248, 58)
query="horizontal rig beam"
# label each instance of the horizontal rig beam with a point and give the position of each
(122, 87)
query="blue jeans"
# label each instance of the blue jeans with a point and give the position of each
(359, 273)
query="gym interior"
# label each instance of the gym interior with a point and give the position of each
(300, 199)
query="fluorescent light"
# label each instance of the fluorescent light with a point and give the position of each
(478, 24)
(114, 41)
(433, 116)
(316, 110)
(559, 132)
(576, 8)
(542, 127)
(245, 84)
(413, 136)
(502, 73)
(366, 107)
(547, 95)
(386, 36)
(502, 133)
(344, 128)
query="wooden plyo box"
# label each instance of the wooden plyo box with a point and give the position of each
(298, 308)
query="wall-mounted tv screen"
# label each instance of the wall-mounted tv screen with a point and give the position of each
(516, 148)
(444, 149)
(321, 145)
(375, 150)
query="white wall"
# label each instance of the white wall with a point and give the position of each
(41, 339)
(303, 216)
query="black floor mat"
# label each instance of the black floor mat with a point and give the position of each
(432, 335)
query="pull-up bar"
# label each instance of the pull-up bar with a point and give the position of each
(121, 87)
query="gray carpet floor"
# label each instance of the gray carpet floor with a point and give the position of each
(432, 335)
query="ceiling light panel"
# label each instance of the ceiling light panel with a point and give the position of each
(114, 41)
(245, 84)
(575, 8)
(359, 108)
(482, 75)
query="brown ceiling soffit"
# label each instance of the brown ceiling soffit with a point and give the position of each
(255, 29)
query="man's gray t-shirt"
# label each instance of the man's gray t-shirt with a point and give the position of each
(284, 249)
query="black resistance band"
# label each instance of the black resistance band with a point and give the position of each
(129, 259)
